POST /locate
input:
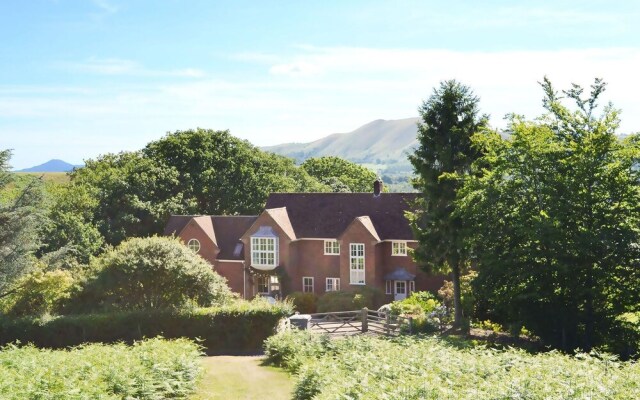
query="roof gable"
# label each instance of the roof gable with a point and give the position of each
(365, 222)
(204, 223)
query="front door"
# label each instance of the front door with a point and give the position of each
(401, 290)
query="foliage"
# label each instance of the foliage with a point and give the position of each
(147, 273)
(488, 325)
(39, 292)
(304, 303)
(554, 215)
(419, 303)
(69, 224)
(341, 175)
(129, 194)
(240, 326)
(151, 369)
(409, 368)
(441, 161)
(467, 297)
(20, 219)
(340, 300)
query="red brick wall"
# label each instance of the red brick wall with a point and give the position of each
(208, 250)
(357, 233)
(308, 259)
(234, 272)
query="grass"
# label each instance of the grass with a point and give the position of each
(244, 377)
(55, 177)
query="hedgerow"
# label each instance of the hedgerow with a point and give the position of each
(240, 327)
(151, 369)
(427, 368)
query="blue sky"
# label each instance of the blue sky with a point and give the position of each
(83, 78)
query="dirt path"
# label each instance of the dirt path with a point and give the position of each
(242, 378)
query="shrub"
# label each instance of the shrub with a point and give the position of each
(151, 369)
(467, 297)
(419, 303)
(39, 293)
(304, 303)
(240, 327)
(365, 367)
(371, 298)
(147, 273)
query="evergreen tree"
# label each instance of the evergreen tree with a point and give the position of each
(443, 158)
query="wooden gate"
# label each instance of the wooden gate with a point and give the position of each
(345, 323)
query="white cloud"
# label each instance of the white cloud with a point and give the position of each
(300, 97)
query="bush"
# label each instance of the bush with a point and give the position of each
(151, 369)
(240, 327)
(39, 293)
(410, 368)
(467, 297)
(148, 273)
(304, 303)
(371, 298)
(419, 303)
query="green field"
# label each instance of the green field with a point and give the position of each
(55, 177)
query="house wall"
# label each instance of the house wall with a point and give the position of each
(208, 250)
(233, 271)
(357, 233)
(284, 252)
(308, 259)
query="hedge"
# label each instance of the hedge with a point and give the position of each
(233, 329)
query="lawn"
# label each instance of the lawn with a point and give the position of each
(243, 377)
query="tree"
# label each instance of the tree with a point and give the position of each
(340, 174)
(441, 162)
(21, 217)
(554, 217)
(150, 273)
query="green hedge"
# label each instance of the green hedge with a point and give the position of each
(238, 328)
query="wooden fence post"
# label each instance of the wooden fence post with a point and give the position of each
(387, 321)
(365, 321)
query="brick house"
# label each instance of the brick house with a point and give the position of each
(312, 242)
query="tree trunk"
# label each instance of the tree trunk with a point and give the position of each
(457, 301)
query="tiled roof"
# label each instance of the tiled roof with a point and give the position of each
(327, 215)
(226, 230)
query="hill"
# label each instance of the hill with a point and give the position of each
(381, 145)
(51, 166)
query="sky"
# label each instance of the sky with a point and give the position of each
(80, 78)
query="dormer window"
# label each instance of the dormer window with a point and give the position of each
(264, 248)
(331, 247)
(398, 248)
(194, 244)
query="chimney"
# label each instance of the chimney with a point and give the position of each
(377, 187)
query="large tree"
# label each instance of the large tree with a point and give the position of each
(442, 160)
(21, 218)
(555, 218)
(340, 174)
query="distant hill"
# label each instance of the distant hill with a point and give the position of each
(381, 145)
(51, 166)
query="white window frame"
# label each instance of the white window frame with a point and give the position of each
(388, 287)
(332, 246)
(398, 248)
(356, 264)
(306, 285)
(194, 244)
(264, 251)
(332, 285)
(412, 287)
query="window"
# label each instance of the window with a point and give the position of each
(307, 284)
(356, 263)
(333, 284)
(389, 287)
(267, 284)
(263, 284)
(264, 251)
(331, 247)
(412, 286)
(398, 248)
(194, 245)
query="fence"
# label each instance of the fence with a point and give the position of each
(365, 321)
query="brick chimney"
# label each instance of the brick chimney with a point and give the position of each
(377, 187)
